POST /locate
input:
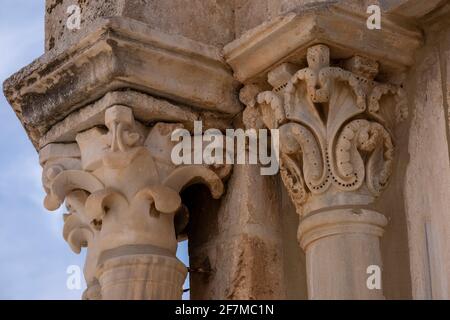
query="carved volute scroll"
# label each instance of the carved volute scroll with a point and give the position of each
(121, 187)
(335, 127)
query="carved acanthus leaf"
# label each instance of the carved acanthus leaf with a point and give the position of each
(335, 125)
(293, 180)
(183, 177)
(122, 187)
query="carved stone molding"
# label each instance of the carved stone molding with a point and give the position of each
(411, 8)
(146, 109)
(340, 246)
(123, 196)
(120, 53)
(335, 129)
(335, 125)
(334, 93)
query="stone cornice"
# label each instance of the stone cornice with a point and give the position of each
(286, 39)
(147, 110)
(121, 53)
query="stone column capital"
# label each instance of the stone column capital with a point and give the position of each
(335, 124)
(336, 101)
(123, 194)
(121, 53)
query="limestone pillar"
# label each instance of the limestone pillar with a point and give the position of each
(239, 241)
(340, 245)
(336, 101)
(337, 154)
(101, 103)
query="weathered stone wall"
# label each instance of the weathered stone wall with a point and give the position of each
(394, 243)
(427, 180)
(245, 245)
(57, 35)
(251, 13)
(248, 242)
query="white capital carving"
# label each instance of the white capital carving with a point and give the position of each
(120, 187)
(335, 128)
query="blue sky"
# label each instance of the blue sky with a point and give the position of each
(33, 254)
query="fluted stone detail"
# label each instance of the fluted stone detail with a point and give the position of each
(142, 277)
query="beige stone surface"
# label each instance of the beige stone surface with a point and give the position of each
(241, 241)
(322, 165)
(411, 8)
(141, 277)
(340, 246)
(252, 13)
(122, 193)
(120, 53)
(207, 21)
(285, 38)
(146, 109)
(429, 168)
(364, 122)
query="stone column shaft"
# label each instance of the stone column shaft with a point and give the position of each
(104, 138)
(341, 245)
(142, 277)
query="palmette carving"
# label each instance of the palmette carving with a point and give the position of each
(335, 127)
(121, 187)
